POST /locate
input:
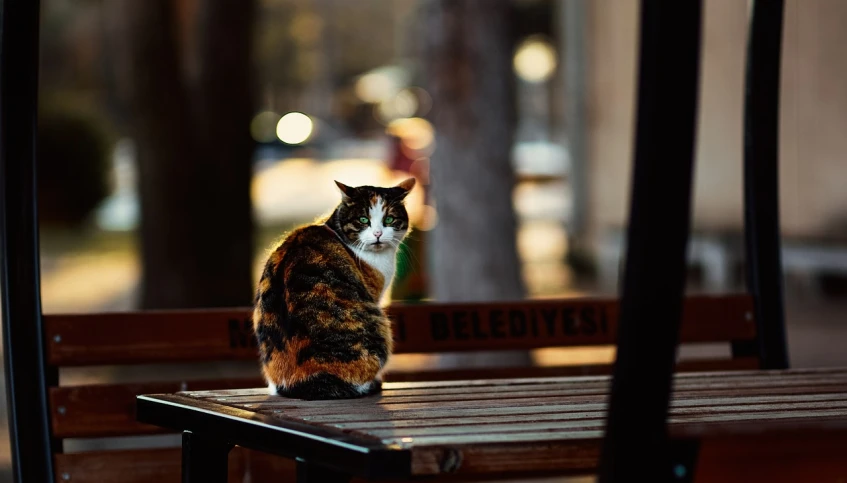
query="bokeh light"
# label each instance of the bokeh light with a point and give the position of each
(380, 84)
(428, 218)
(423, 99)
(294, 128)
(417, 133)
(263, 126)
(373, 87)
(535, 60)
(402, 105)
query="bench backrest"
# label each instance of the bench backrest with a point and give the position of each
(224, 336)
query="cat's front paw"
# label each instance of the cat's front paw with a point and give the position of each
(273, 389)
(375, 388)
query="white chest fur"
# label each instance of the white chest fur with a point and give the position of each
(384, 261)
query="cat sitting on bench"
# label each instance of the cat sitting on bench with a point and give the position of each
(321, 330)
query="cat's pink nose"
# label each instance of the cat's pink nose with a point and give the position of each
(378, 233)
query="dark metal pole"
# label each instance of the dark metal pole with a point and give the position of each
(761, 180)
(23, 344)
(635, 445)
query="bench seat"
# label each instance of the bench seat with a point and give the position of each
(504, 427)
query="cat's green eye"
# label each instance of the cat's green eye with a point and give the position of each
(389, 220)
(364, 220)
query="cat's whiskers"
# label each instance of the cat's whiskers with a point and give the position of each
(360, 245)
(408, 255)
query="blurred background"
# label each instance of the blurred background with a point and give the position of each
(179, 138)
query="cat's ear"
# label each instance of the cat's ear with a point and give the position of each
(405, 187)
(346, 191)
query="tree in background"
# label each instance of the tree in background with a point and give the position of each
(188, 77)
(467, 61)
(468, 66)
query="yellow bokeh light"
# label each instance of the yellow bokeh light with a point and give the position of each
(535, 60)
(417, 133)
(374, 87)
(294, 128)
(405, 103)
(380, 84)
(428, 218)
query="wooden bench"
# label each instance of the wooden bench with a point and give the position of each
(216, 336)
(778, 425)
(46, 413)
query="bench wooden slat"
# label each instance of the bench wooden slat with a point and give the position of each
(573, 412)
(823, 372)
(829, 421)
(550, 395)
(596, 420)
(551, 400)
(738, 363)
(162, 465)
(578, 403)
(109, 409)
(204, 335)
(563, 387)
(125, 466)
(576, 396)
(534, 324)
(808, 374)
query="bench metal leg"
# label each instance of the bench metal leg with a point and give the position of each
(204, 459)
(653, 287)
(307, 473)
(761, 181)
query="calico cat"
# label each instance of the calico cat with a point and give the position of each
(317, 316)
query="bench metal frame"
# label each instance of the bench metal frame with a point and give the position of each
(659, 219)
(659, 223)
(658, 227)
(27, 374)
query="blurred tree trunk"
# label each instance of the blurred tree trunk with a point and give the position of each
(191, 125)
(468, 63)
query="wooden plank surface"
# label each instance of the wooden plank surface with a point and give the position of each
(163, 465)
(101, 410)
(451, 374)
(109, 409)
(126, 466)
(204, 335)
(465, 426)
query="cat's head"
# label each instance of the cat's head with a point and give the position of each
(373, 218)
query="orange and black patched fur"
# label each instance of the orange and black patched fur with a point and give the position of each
(318, 316)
